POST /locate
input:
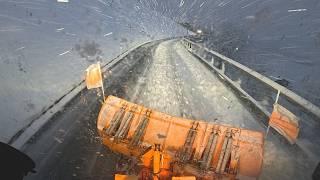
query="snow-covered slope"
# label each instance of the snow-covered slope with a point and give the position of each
(45, 46)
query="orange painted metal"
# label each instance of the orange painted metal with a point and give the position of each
(156, 162)
(187, 148)
(184, 178)
(285, 122)
(125, 177)
(93, 76)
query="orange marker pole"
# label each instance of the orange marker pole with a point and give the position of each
(276, 102)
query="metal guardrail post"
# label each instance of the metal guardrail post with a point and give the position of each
(223, 68)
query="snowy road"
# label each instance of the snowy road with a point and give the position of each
(180, 85)
(164, 77)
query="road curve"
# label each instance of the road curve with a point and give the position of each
(164, 77)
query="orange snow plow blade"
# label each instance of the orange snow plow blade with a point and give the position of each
(171, 146)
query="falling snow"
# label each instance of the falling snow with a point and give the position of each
(46, 46)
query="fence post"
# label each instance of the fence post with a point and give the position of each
(223, 68)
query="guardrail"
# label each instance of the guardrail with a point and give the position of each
(220, 63)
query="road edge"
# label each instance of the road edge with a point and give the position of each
(26, 133)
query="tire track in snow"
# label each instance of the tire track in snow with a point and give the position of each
(160, 93)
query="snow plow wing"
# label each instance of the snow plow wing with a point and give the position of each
(185, 147)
